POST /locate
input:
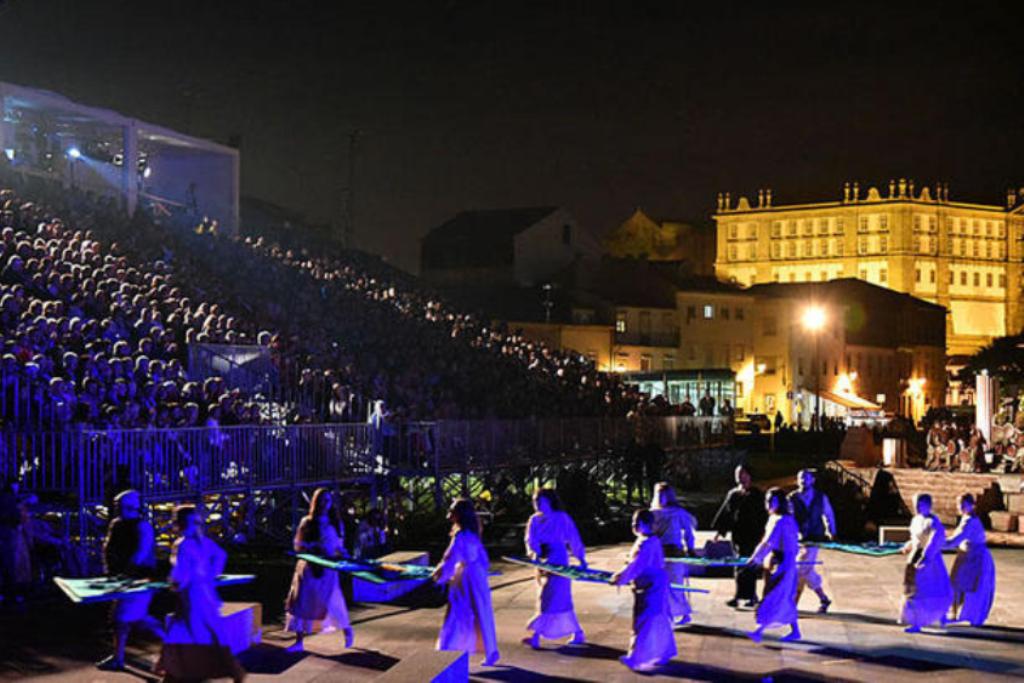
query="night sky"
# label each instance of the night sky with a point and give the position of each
(600, 107)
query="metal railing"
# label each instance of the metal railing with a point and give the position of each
(179, 464)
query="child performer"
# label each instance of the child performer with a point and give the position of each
(192, 649)
(551, 536)
(974, 573)
(469, 620)
(315, 601)
(129, 550)
(927, 594)
(673, 526)
(777, 553)
(653, 642)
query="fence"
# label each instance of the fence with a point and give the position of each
(183, 463)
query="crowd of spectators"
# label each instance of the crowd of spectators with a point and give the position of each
(93, 338)
(98, 310)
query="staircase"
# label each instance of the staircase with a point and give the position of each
(945, 488)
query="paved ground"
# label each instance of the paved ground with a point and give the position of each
(858, 641)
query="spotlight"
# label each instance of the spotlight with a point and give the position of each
(74, 153)
(9, 153)
(148, 172)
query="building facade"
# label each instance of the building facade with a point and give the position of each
(965, 257)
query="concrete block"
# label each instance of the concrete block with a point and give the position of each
(1015, 503)
(1003, 521)
(893, 534)
(436, 666)
(367, 591)
(242, 624)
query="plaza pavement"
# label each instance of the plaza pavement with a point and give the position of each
(858, 640)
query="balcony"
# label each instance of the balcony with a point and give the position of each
(663, 339)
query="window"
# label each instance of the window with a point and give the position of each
(732, 231)
(883, 221)
(709, 311)
(824, 276)
(862, 224)
(823, 226)
(931, 276)
(977, 279)
(1002, 281)
(645, 322)
(776, 229)
(620, 322)
(792, 277)
(724, 312)
(988, 279)
(916, 243)
(732, 252)
(776, 250)
(863, 274)
(862, 245)
(739, 313)
(770, 326)
(883, 244)
(917, 224)
(883, 275)
(567, 235)
(669, 361)
(645, 362)
(839, 226)
(839, 247)
(691, 313)
(917, 275)
(952, 277)
(790, 249)
(932, 224)
(791, 228)
(963, 278)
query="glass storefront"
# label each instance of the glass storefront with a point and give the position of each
(678, 385)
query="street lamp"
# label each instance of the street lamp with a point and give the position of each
(813, 320)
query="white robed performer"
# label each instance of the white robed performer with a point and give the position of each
(927, 593)
(193, 648)
(777, 553)
(674, 526)
(653, 642)
(974, 573)
(130, 550)
(469, 622)
(315, 602)
(551, 536)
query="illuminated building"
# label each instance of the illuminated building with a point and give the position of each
(965, 257)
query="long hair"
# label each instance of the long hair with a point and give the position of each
(464, 515)
(551, 496)
(777, 497)
(664, 490)
(311, 524)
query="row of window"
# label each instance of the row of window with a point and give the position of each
(975, 278)
(872, 245)
(708, 312)
(869, 223)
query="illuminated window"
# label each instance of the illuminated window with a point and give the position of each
(862, 224)
(791, 228)
(732, 231)
(963, 278)
(823, 226)
(917, 223)
(883, 244)
(839, 247)
(776, 229)
(916, 243)
(709, 311)
(838, 227)
(883, 221)
(863, 275)
(977, 279)
(732, 252)
(988, 279)
(776, 250)
(620, 322)
(645, 362)
(883, 275)
(862, 245)
(932, 224)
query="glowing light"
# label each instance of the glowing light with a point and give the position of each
(813, 318)
(844, 384)
(148, 172)
(9, 153)
(761, 367)
(916, 386)
(74, 153)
